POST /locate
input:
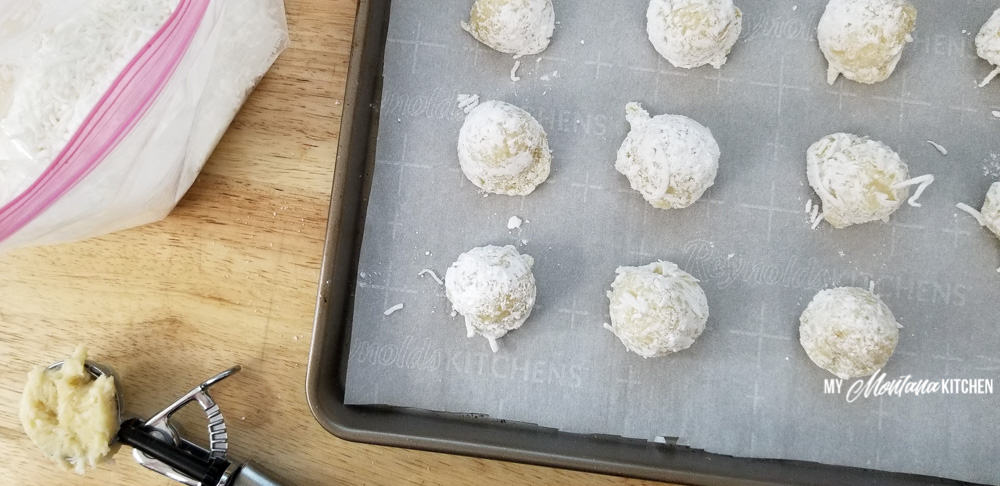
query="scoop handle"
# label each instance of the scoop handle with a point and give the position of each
(250, 475)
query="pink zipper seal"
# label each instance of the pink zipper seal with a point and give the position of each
(112, 119)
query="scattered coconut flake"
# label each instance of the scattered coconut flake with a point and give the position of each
(938, 147)
(524, 242)
(431, 273)
(513, 72)
(817, 220)
(809, 206)
(871, 286)
(730, 256)
(990, 77)
(467, 102)
(921, 182)
(514, 223)
(972, 212)
(996, 114)
(392, 310)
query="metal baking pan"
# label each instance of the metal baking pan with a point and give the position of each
(472, 434)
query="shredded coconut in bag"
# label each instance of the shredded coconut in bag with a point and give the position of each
(73, 64)
(80, 48)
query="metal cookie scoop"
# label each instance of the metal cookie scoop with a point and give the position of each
(158, 446)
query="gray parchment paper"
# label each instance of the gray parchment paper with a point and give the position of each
(745, 388)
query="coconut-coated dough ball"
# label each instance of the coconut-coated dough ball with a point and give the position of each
(864, 39)
(519, 27)
(692, 33)
(657, 309)
(848, 331)
(988, 44)
(856, 178)
(991, 209)
(493, 287)
(503, 150)
(670, 159)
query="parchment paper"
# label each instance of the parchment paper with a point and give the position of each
(746, 387)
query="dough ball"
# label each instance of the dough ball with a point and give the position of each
(670, 159)
(657, 309)
(503, 149)
(71, 416)
(493, 287)
(692, 33)
(519, 27)
(856, 178)
(848, 331)
(991, 209)
(864, 39)
(988, 44)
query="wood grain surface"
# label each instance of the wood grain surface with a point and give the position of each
(229, 277)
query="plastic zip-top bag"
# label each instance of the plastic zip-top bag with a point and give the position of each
(109, 108)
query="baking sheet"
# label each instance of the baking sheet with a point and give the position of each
(745, 388)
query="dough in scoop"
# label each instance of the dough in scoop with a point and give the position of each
(848, 331)
(657, 309)
(493, 287)
(857, 179)
(988, 44)
(518, 27)
(503, 150)
(670, 159)
(693, 33)
(864, 39)
(71, 416)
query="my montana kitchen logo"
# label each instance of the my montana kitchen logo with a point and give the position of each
(878, 386)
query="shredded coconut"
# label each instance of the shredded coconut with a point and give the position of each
(514, 223)
(988, 46)
(864, 39)
(431, 274)
(657, 309)
(502, 149)
(972, 212)
(493, 288)
(848, 331)
(392, 310)
(519, 27)
(69, 69)
(817, 220)
(921, 182)
(693, 33)
(513, 72)
(856, 179)
(670, 159)
(938, 147)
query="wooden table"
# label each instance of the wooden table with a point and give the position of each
(229, 277)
